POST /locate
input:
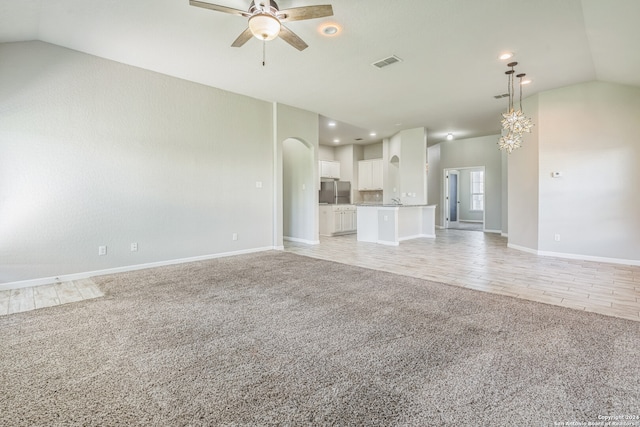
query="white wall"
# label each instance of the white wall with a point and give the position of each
(413, 163)
(326, 152)
(348, 156)
(94, 152)
(591, 133)
(372, 151)
(299, 191)
(391, 185)
(434, 181)
(469, 153)
(409, 177)
(344, 154)
(303, 126)
(523, 185)
(465, 213)
(505, 195)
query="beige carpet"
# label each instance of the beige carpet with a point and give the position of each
(277, 338)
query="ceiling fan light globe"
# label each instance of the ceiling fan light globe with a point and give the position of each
(264, 26)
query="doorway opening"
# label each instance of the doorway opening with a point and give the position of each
(464, 198)
(299, 192)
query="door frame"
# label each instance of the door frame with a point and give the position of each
(446, 193)
(447, 202)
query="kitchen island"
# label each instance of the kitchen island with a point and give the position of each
(391, 224)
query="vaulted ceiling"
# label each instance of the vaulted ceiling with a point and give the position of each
(446, 80)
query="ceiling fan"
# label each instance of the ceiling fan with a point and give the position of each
(266, 20)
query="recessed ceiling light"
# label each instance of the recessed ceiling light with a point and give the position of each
(449, 136)
(332, 124)
(372, 134)
(506, 55)
(330, 29)
(336, 141)
(525, 82)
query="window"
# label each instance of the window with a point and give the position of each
(477, 190)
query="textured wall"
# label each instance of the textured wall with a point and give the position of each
(300, 190)
(469, 153)
(591, 133)
(302, 125)
(93, 152)
(523, 166)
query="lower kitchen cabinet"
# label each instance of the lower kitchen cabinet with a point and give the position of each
(338, 219)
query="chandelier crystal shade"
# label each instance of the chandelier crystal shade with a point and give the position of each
(514, 122)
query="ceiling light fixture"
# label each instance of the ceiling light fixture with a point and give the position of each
(525, 81)
(336, 141)
(449, 136)
(264, 26)
(514, 123)
(332, 124)
(505, 55)
(330, 29)
(372, 134)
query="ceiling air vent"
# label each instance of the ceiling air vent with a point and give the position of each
(358, 139)
(386, 61)
(504, 95)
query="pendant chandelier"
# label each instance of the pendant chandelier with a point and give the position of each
(514, 122)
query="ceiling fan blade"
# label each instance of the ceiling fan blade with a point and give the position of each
(305, 12)
(291, 38)
(219, 8)
(242, 38)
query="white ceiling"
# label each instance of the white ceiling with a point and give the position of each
(446, 81)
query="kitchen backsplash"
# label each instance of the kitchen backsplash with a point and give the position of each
(371, 196)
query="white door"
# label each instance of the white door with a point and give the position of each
(452, 198)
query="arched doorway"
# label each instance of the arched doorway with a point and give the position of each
(299, 192)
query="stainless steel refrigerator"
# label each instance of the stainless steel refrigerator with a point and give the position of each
(335, 192)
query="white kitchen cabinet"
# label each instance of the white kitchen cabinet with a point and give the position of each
(338, 219)
(370, 175)
(329, 169)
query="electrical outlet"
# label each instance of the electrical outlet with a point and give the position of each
(102, 250)
(234, 236)
(134, 247)
(557, 237)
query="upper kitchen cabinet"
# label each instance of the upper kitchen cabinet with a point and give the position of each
(370, 175)
(329, 169)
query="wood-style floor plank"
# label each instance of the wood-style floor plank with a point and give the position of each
(482, 261)
(469, 259)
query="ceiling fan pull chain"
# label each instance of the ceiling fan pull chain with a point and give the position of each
(264, 50)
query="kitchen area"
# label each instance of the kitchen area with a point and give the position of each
(376, 191)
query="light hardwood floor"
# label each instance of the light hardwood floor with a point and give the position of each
(483, 262)
(469, 259)
(25, 299)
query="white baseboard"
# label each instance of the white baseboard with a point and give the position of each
(522, 248)
(384, 242)
(297, 240)
(486, 230)
(575, 256)
(87, 274)
(590, 258)
(416, 236)
(504, 234)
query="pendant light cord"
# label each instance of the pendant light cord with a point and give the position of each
(520, 93)
(511, 91)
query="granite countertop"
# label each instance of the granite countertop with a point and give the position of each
(390, 205)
